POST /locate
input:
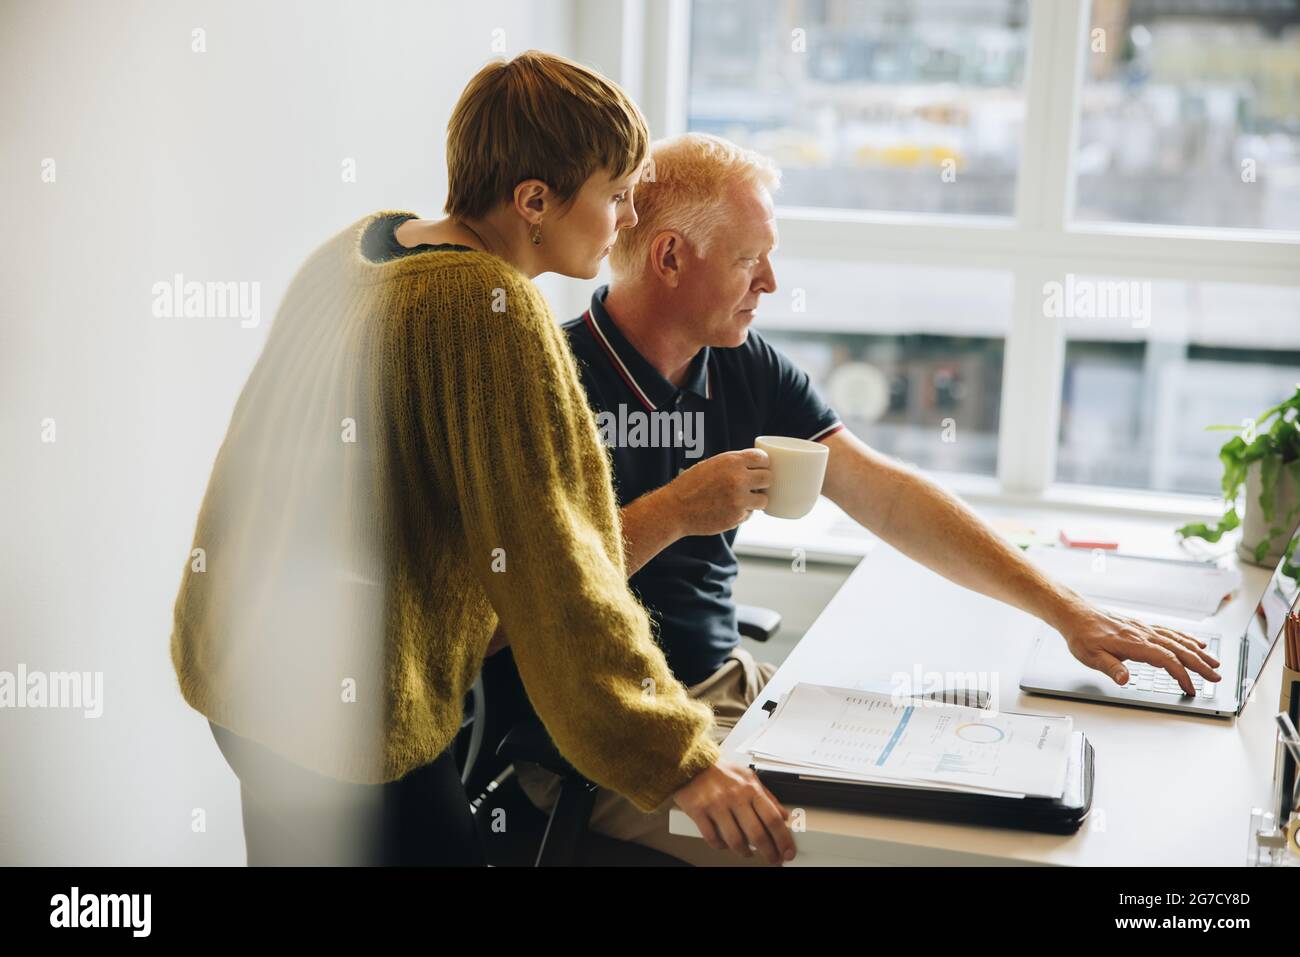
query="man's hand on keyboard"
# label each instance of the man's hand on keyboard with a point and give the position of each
(1105, 641)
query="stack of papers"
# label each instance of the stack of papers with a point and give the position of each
(840, 734)
(1189, 589)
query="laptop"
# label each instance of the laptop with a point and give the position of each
(1052, 670)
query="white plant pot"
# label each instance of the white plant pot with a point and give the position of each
(1253, 527)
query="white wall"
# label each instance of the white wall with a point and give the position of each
(223, 165)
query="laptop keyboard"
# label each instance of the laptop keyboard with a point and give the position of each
(1148, 677)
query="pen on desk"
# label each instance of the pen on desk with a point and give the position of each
(1294, 663)
(1291, 631)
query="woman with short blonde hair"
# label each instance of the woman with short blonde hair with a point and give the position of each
(412, 464)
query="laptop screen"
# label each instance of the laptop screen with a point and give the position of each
(1266, 623)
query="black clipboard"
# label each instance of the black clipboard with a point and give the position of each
(1063, 815)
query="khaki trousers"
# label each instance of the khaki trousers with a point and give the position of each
(730, 691)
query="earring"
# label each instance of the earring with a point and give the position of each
(535, 234)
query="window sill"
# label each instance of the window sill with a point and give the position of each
(1091, 499)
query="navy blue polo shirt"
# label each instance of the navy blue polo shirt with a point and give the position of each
(731, 396)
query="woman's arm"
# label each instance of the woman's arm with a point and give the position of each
(512, 437)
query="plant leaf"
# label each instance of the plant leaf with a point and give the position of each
(1289, 568)
(1229, 521)
(1234, 469)
(1269, 468)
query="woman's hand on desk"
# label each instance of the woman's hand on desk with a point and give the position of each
(1104, 641)
(732, 808)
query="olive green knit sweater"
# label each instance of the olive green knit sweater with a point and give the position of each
(412, 457)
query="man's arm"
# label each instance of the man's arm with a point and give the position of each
(650, 524)
(712, 496)
(935, 528)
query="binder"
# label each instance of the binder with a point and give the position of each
(1063, 815)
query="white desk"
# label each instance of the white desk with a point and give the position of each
(1171, 789)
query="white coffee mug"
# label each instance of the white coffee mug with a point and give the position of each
(798, 467)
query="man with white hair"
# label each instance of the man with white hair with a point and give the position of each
(672, 334)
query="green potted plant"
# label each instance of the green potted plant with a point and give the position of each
(1265, 458)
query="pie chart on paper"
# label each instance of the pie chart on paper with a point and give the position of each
(977, 732)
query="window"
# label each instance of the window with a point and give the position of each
(910, 357)
(947, 161)
(1190, 114)
(868, 104)
(1139, 389)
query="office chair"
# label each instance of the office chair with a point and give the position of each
(566, 840)
(469, 739)
(486, 770)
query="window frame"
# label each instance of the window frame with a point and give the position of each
(1038, 244)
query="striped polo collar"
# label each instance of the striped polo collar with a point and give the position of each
(654, 391)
